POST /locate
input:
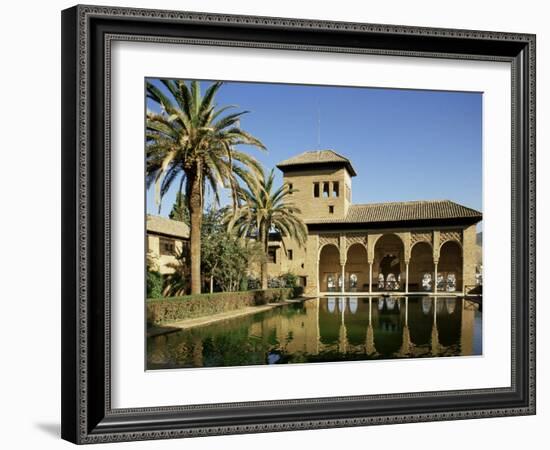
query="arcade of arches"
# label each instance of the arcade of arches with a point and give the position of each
(407, 262)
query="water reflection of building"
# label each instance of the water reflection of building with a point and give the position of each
(328, 329)
(296, 331)
(377, 327)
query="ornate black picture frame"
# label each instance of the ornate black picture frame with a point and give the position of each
(87, 34)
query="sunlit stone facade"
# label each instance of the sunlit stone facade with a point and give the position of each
(401, 247)
(166, 239)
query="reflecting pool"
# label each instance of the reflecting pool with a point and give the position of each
(328, 329)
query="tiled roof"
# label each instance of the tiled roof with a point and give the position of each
(317, 157)
(404, 211)
(168, 227)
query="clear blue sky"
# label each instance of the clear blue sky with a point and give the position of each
(404, 144)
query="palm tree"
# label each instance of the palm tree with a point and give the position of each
(192, 142)
(263, 209)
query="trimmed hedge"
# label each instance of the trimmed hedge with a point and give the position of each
(169, 309)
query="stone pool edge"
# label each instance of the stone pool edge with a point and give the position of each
(186, 324)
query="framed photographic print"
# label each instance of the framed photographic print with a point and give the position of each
(282, 224)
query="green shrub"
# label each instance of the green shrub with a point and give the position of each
(297, 291)
(154, 284)
(289, 279)
(169, 309)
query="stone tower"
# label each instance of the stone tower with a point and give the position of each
(321, 183)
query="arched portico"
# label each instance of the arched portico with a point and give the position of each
(449, 270)
(421, 268)
(389, 263)
(356, 269)
(330, 275)
(392, 261)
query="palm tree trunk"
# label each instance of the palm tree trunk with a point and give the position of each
(264, 238)
(194, 193)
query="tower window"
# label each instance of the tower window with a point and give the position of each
(290, 254)
(335, 189)
(290, 188)
(316, 189)
(326, 189)
(331, 209)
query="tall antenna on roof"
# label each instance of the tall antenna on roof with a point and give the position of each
(318, 126)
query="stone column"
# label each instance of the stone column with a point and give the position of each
(435, 279)
(406, 277)
(343, 288)
(371, 244)
(343, 248)
(370, 277)
(436, 246)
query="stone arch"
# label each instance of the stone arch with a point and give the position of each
(325, 239)
(454, 241)
(329, 268)
(450, 236)
(449, 268)
(421, 236)
(421, 267)
(356, 268)
(377, 238)
(328, 244)
(352, 239)
(388, 266)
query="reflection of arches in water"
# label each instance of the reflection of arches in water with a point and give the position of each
(427, 282)
(341, 304)
(353, 304)
(331, 304)
(390, 303)
(426, 305)
(450, 303)
(380, 304)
